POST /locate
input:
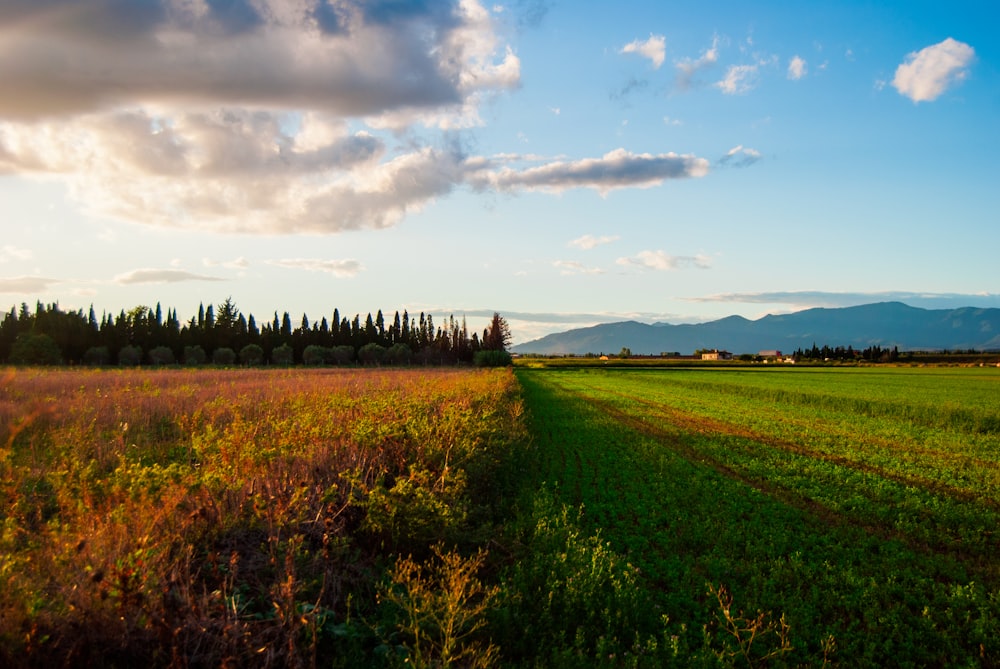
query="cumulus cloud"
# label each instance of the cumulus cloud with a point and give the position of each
(231, 170)
(740, 156)
(161, 276)
(654, 48)
(344, 269)
(270, 116)
(928, 73)
(66, 57)
(587, 242)
(189, 112)
(26, 285)
(688, 68)
(796, 68)
(616, 169)
(662, 261)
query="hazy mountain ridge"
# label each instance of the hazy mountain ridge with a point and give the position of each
(885, 324)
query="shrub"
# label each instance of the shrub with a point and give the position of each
(371, 354)
(224, 356)
(315, 355)
(35, 349)
(161, 355)
(398, 354)
(130, 356)
(282, 355)
(492, 358)
(443, 607)
(342, 355)
(252, 355)
(194, 355)
(97, 355)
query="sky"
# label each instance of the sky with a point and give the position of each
(561, 163)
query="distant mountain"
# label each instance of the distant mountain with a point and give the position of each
(885, 324)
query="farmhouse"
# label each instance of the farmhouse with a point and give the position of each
(772, 353)
(716, 355)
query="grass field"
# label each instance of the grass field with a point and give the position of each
(560, 517)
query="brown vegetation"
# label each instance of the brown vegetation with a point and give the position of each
(237, 518)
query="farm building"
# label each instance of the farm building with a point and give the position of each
(772, 353)
(717, 355)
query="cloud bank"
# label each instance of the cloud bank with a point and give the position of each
(928, 73)
(271, 116)
(814, 298)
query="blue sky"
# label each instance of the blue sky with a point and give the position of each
(562, 163)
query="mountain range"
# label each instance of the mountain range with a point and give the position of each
(884, 324)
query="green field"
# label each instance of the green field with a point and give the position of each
(546, 517)
(862, 504)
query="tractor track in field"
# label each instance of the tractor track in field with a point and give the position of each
(692, 422)
(676, 423)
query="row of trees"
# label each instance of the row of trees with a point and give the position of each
(870, 354)
(223, 335)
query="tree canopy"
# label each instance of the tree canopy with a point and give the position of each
(49, 335)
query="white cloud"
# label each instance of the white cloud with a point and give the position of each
(928, 73)
(740, 156)
(588, 242)
(616, 169)
(9, 252)
(739, 79)
(26, 285)
(161, 276)
(236, 263)
(672, 121)
(570, 267)
(344, 269)
(797, 68)
(688, 68)
(662, 261)
(653, 48)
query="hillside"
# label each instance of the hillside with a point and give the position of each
(885, 324)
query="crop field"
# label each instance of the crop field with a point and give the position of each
(244, 517)
(851, 515)
(559, 517)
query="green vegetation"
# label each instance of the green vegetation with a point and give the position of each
(594, 516)
(859, 506)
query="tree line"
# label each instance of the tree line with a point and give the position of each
(224, 335)
(869, 354)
